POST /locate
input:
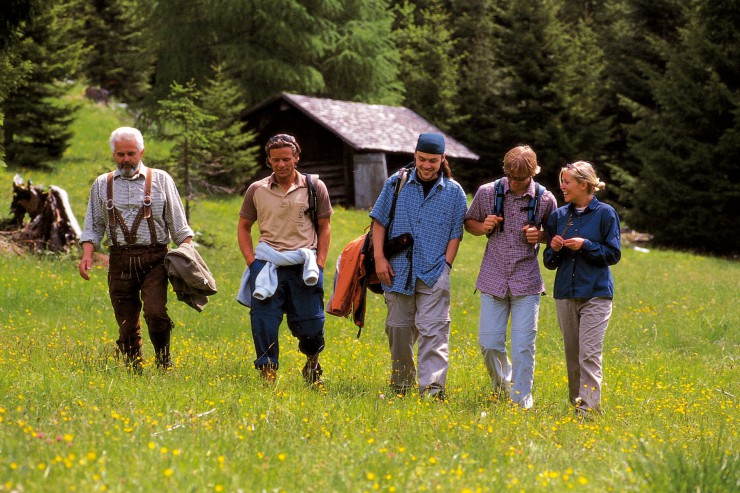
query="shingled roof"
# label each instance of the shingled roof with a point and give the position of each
(371, 127)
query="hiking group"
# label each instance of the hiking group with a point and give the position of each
(417, 224)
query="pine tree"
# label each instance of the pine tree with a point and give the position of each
(232, 162)
(334, 48)
(360, 62)
(630, 33)
(211, 153)
(515, 95)
(184, 37)
(13, 13)
(186, 124)
(689, 144)
(474, 25)
(119, 60)
(584, 131)
(430, 67)
(36, 125)
(13, 69)
(530, 78)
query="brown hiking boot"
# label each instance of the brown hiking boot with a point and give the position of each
(163, 360)
(134, 360)
(312, 373)
(135, 364)
(269, 374)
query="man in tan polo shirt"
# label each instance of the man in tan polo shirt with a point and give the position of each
(286, 269)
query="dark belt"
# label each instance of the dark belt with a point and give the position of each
(137, 249)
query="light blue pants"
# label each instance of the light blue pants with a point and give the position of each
(517, 375)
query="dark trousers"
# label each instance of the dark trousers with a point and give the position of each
(137, 277)
(303, 305)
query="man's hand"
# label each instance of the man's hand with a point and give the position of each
(532, 233)
(86, 262)
(85, 265)
(491, 222)
(384, 270)
(484, 227)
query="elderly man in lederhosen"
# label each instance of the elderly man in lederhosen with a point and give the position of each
(140, 210)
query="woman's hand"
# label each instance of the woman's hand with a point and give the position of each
(557, 243)
(573, 243)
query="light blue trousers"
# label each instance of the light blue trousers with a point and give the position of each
(517, 375)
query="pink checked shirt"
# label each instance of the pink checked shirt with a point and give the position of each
(509, 263)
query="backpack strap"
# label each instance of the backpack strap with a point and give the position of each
(538, 195)
(313, 202)
(498, 198)
(498, 203)
(534, 204)
(403, 177)
(533, 209)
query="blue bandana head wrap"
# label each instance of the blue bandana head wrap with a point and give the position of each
(431, 143)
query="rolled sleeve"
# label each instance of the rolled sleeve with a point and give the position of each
(95, 217)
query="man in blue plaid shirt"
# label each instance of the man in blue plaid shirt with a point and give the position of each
(430, 207)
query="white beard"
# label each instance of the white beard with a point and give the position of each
(128, 172)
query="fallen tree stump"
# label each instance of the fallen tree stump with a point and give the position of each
(52, 225)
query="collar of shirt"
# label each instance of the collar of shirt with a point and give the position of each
(440, 179)
(590, 207)
(300, 181)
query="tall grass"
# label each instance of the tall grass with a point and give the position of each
(73, 419)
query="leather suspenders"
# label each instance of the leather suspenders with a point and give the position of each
(145, 212)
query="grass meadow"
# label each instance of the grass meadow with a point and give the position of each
(73, 419)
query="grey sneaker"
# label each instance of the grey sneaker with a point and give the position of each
(400, 390)
(585, 412)
(436, 393)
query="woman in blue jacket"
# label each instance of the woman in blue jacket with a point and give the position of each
(583, 243)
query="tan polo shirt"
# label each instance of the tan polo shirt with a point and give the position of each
(281, 216)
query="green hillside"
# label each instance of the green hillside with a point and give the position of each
(73, 419)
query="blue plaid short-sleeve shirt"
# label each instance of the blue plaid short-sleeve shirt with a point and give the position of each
(433, 221)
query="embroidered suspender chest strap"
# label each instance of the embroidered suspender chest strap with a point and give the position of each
(111, 209)
(115, 218)
(148, 194)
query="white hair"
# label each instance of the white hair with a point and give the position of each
(122, 132)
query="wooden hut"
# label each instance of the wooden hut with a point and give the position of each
(352, 146)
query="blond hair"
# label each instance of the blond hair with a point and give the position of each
(584, 172)
(521, 160)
